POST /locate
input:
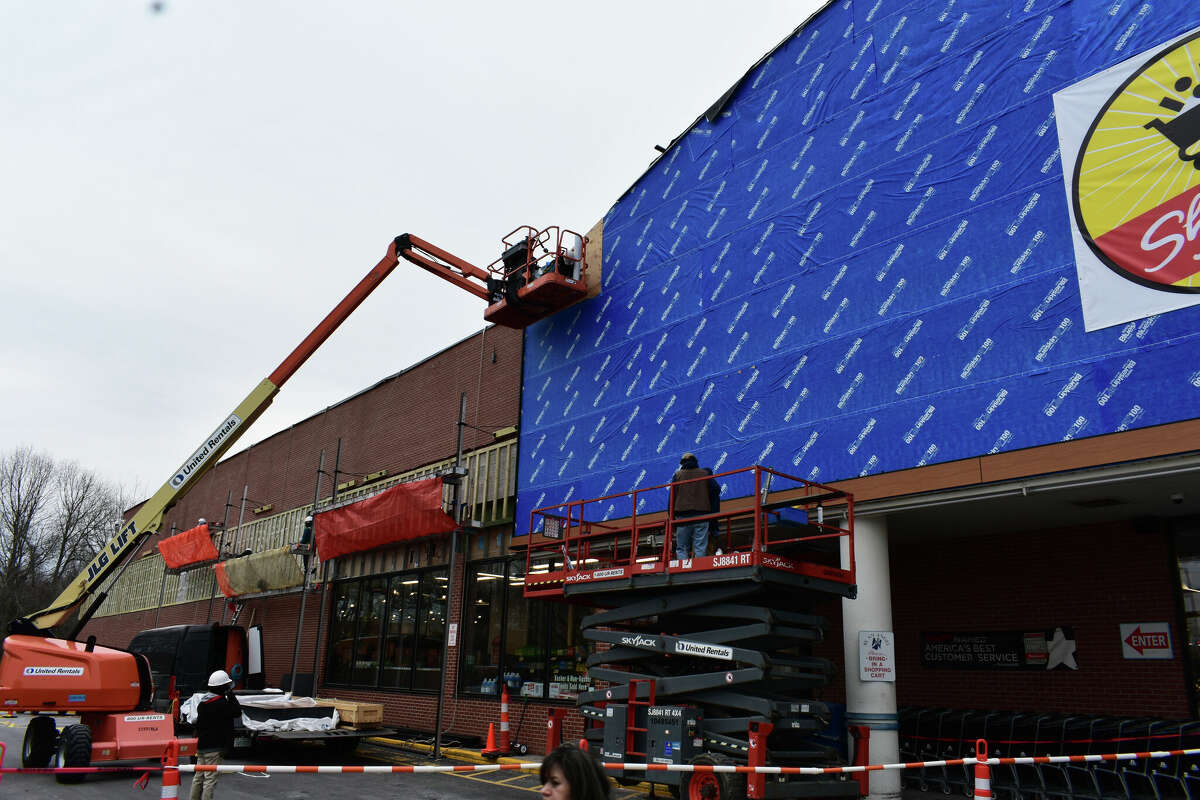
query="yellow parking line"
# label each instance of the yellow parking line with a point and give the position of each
(518, 777)
(484, 780)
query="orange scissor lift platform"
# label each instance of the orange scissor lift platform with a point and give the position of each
(709, 660)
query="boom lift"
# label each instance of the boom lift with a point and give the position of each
(112, 688)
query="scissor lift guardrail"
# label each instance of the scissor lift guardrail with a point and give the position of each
(727, 636)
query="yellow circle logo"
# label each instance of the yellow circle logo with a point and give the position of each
(1137, 180)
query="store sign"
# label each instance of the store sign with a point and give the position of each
(877, 656)
(1129, 143)
(1146, 640)
(1028, 650)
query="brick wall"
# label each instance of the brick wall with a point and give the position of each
(1091, 578)
(403, 422)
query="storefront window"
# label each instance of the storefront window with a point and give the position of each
(1187, 549)
(525, 646)
(370, 618)
(387, 631)
(568, 653)
(532, 646)
(483, 617)
(430, 631)
(399, 632)
(341, 632)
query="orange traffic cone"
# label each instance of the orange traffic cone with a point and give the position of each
(505, 742)
(490, 750)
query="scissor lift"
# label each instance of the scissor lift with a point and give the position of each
(707, 660)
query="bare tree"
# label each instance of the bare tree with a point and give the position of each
(54, 517)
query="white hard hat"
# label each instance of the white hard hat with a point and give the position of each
(218, 679)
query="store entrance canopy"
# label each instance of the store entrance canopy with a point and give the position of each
(193, 546)
(402, 513)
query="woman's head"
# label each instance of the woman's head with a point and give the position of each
(568, 773)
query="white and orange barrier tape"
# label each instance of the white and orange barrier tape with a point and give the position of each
(534, 765)
(304, 769)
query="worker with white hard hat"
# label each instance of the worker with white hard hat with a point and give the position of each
(215, 716)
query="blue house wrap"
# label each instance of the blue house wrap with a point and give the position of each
(862, 264)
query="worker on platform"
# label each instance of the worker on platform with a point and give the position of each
(571, 773)
(693, 499)
(215, 716)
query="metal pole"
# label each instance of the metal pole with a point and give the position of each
(337, 465)
(437, 725)
(162, 587)
(326, 574)
(304, 587)
(237, 539)
(220, 547)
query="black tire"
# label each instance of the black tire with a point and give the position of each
(713, 785)
(74, 750)
(38, 746)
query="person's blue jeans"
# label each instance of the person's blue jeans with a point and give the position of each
(691, 539)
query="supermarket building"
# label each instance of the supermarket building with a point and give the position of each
(938, 254)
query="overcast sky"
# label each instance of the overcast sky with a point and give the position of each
(186, 192)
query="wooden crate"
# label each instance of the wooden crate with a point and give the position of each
(355, 714)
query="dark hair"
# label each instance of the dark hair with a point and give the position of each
(583, 772)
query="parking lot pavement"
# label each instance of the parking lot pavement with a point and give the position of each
(521, 780)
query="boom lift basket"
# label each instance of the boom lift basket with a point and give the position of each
(538, 273)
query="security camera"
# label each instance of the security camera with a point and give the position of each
(1177, 498)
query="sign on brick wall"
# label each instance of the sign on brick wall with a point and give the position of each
(1146, 640)
(1027, 650)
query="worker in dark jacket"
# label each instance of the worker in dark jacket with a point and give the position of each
(693, 499)
(215, 716)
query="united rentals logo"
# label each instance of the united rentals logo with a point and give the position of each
(205, 451)
(703, 649)
(56, 671)
(1136, 185)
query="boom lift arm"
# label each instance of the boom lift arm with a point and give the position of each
(446, 265)
(148, 518)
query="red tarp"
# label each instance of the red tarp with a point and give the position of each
(193, 546)
(404, 512)
(223, 580)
